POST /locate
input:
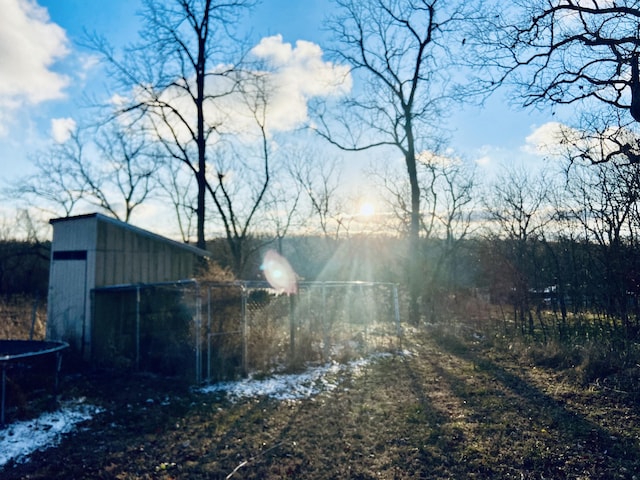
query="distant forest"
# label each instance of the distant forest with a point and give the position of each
(24, 267)
(563, 277)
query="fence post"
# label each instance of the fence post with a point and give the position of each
(209, 333)
(325, 327)
(198, 334)
(292, 327)
(396, 312)
(137, 327)
(245, 347)
(34, 315)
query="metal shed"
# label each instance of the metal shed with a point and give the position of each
(90, 251)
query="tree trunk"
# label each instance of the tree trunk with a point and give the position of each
(414, 256)
(201, 139)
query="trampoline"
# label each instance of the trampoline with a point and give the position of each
(13, 351)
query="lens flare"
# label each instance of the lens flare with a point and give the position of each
(279, 273)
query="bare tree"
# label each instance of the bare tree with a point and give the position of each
(454, 203)
(128, 165)
(447, 199)
(243, 174)
(399, 49)
(283, 204)
(173, 80)
(53, 188)
(178, 188)
(603, 201)
(601, 137)
(319, 178)
(565, 52)
(395, 193)
(113, 172)
(518, 212)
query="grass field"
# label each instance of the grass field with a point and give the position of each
(450, 406)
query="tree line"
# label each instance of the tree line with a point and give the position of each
(551, 248)
(191, 117)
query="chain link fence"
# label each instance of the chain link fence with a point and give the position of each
(219, 331)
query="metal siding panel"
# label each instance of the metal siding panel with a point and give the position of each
(128, 248)
(116, 254)
(143, 260)
(112, 247)
(70, 281)
(67, 302)
(74, 235)
(166, 273)
(100, 268)
(174, 264)
(155, 262)
(107, 256)
(138, 249)
(100, 258)
(185, 271)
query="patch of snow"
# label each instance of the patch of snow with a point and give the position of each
(292, 386)
(20, 439)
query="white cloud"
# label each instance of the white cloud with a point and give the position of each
(488, 156)
(7, 105)
(298, 74)
(447, 159)
(87, 63)
(483, 161)
(292, 76)
(558, 140)
(546, 139)
(62, 128)
(30, 44)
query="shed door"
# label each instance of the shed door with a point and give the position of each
(67, 297)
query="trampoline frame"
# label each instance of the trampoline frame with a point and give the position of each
(16, 350)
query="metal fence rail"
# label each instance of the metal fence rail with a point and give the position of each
(214, 331)
(14, 352)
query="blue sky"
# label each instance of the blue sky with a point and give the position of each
(44, 72)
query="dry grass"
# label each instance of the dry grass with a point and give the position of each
(458, 406)
(22, 317)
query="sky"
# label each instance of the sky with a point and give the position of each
(44, 73)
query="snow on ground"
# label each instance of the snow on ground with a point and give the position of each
(324, 378)
(19, 439)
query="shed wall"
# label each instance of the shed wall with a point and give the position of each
(125, 256)
(95, 251)
(70, 281)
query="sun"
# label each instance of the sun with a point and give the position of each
(367, 209)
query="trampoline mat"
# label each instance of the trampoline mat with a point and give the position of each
(13, 349)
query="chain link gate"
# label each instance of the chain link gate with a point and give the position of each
(218, 331)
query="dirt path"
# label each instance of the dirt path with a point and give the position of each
(447, 409)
